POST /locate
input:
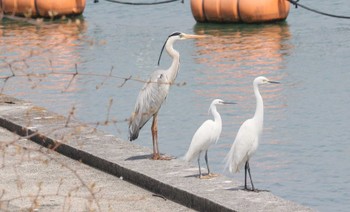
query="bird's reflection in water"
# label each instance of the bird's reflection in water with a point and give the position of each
(235, 54)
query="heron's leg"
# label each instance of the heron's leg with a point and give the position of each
(154, 129)
(250, 176)
(156, 154)
(199, 166)
(206, 160)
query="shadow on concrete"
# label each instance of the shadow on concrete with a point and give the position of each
(241, 188)
(148, 156)
(192, 175)
(140, 157)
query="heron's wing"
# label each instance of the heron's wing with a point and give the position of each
(201, 140)
(242, 147)
(148, 102)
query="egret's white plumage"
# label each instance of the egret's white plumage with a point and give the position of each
(206, 135)
(248, 136)
(154, 92)
(245, 145)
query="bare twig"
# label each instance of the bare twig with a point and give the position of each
(73, 76)
(125, 80)
(71, 114)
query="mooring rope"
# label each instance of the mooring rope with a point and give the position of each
(141, 3)
(297, 4)
(294, 2)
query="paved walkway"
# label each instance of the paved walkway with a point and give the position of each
(33, 178)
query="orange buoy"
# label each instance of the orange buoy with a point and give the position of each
(247, 11)
(42, 8)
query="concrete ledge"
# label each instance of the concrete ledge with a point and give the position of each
(175, 179)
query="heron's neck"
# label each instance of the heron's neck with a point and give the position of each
(259, 111)
(174, 67)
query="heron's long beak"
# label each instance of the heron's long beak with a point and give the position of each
(275, 82)
(185, 36)
(190, 36)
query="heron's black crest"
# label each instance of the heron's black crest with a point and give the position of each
(173, 34)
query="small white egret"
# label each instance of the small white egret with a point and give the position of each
(154, 92)
(248, 136)
(206, 135)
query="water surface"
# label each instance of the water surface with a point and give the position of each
(305, 152)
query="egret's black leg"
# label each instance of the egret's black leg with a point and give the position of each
(245, 175)
(199, 167)
(250, 176)
(206, 160)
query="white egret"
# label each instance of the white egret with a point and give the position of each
(154, 92)
(248, 136)
(206, 135)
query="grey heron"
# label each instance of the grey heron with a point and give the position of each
(154, 92)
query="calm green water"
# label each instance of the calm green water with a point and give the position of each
(305, 151)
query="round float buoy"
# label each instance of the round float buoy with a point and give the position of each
(247, 11)
(43, 8)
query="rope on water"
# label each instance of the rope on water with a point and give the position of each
(297, 4)
(141, 3)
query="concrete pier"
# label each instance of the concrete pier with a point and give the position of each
(174, 180)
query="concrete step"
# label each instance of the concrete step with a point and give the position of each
(175, 180)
